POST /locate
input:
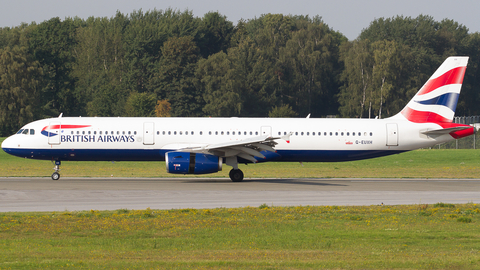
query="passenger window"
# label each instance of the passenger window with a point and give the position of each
(251, 133)
(209, 133)
(313, 133)
(163, 133)
(201, 133)
(331, 133)
(71, 132)
(371, 134)
(180, 132)
(174, 133)
(341, 133)
(302, 133)
(169, 133)
(222, 132)
(308, 133)
(348, 133)
(256, 132)
(228, 132)
(216, 132)
(158, 132)
(336, 133)
(134, 133)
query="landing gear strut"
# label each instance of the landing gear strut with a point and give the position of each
(56, 175)
(236, 175)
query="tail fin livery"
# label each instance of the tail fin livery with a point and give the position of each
(437, 99)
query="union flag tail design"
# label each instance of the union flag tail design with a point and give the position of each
(437, 99)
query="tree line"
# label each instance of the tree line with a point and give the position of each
(170, 63)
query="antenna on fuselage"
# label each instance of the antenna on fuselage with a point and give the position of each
(308, 116)
(60, 116)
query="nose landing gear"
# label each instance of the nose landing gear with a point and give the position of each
(56, 175)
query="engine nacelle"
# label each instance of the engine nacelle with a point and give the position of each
(192, 163)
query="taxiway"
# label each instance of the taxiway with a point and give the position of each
(43, 194)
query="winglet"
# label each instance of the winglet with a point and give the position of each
(287, 137)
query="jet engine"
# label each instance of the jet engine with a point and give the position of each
(192, 163)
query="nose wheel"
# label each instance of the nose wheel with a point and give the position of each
(56, 175)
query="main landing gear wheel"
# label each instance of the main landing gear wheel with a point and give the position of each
(236, 175)
(56, 175)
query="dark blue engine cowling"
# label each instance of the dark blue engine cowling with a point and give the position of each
(192, 163)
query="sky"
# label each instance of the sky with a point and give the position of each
(348, 17)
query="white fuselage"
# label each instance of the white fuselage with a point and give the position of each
(97, 138)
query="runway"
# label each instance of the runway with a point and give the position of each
(72, 194)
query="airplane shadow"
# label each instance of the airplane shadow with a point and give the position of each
(288, 181)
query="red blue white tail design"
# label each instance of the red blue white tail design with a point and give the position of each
(437, 100)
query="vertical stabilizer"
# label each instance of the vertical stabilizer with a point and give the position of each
(437, 100)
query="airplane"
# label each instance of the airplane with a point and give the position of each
(204, 145)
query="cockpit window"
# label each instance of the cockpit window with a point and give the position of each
(32, 131)
(25, 131)
(20, 131)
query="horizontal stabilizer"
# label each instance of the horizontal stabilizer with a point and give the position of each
(443, 131)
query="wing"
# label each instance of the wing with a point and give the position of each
(247, 149)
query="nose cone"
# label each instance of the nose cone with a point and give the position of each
(8, 145)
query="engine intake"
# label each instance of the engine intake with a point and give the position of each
(192, 163)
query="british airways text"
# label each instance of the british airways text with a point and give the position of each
(95, 138)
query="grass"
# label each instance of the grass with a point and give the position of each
(434, 163)
(439, 236)
(367, 237)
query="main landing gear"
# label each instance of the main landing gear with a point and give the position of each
(56, 175)
(236, 175)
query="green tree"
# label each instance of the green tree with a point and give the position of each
(215, 79)
(99, 66)
(309, 60)
(254, 79)
(19, 88)
(52, 43)
(140, 105)
(357, 77)
(175, 76)
(143, 39)
(216, 32)
(282, 111)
